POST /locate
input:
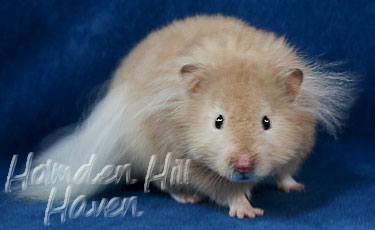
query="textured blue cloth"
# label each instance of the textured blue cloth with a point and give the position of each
(54, 55)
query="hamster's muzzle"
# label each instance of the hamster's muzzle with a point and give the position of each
(243, 167)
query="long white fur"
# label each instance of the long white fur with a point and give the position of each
(330, 95)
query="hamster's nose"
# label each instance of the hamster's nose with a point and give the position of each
(243, 163)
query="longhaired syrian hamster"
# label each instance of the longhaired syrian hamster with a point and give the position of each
(237, 101)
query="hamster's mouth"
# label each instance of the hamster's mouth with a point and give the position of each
(243, 177)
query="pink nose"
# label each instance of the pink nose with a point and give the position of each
(243, 163)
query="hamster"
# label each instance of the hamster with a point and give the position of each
(239, 102)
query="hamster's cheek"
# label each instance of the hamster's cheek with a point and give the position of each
(221, 147)
(264, 161)
(211, 146)
(278, 145)
(272, 147)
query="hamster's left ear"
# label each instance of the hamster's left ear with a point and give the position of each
(292, 78)
(192, 76)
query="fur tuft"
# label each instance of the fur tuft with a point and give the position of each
(329, 95)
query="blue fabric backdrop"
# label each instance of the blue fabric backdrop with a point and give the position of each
(54, 55)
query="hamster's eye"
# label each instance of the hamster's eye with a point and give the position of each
(266, 123)
(219, 122)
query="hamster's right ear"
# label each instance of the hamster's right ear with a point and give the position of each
(292, 78)
(192, 76)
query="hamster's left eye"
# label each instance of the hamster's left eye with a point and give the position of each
(266, 123)
(219, 122)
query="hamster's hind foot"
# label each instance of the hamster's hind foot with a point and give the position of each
(187, 198)
(288, 184)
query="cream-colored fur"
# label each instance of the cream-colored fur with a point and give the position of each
(153, 106)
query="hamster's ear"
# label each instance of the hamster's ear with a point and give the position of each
(192, 75)
(292, 78)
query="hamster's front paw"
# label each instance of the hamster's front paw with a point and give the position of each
(288, 184)
(187, 198)
(241, 208)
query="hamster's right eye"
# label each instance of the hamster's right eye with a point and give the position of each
(219, 122)
(266, 123)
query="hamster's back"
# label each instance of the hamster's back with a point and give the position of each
(170, 42)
